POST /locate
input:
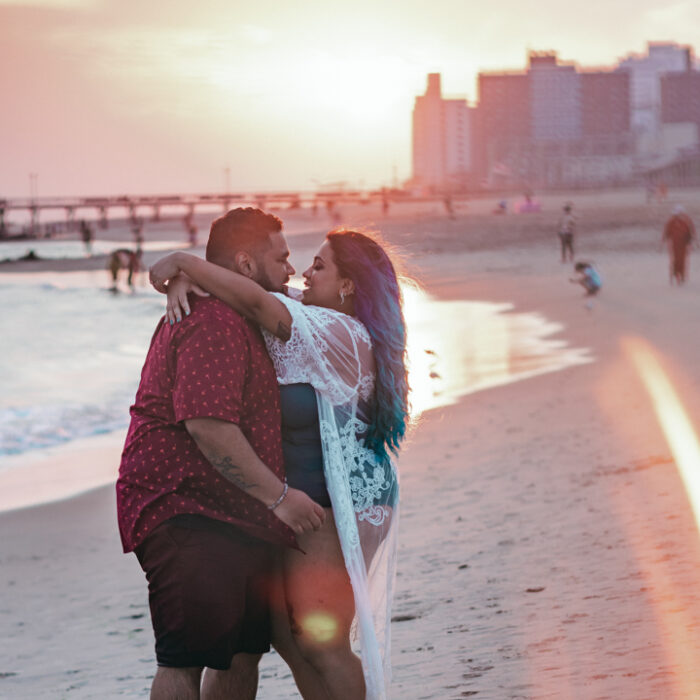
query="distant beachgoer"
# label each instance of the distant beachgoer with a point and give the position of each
(447, 201)
(385, 205)
(679, 233)
(566, 229)
(333, 212)
(501, 207)
(30, 255)
(192, 235)
(87, 235)
(588, 277)
(124, 259)
(137, 232)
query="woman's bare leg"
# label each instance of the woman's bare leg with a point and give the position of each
(321, 607)
(308, 680)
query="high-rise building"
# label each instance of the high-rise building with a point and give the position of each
(555, 99)
(553, 124)
(441, 138)
(645, 72)
(605, 103)
(503, 119)
(680, 98)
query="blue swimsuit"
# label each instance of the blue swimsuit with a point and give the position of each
(301, 442)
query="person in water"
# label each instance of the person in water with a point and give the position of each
(339, 354)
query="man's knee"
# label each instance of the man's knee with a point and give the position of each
(240, 680)
(245, 662)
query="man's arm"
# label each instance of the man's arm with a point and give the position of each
(230, 453)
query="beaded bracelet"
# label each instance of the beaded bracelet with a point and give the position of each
(281, 498)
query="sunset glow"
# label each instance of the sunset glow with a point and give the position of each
(674, 421)
(109, 98)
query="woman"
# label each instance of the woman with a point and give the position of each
(339, 354)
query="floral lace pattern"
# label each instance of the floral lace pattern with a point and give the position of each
(333, 352)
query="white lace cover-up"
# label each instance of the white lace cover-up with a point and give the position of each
(333, 352)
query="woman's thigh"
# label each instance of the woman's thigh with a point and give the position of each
(318, 592)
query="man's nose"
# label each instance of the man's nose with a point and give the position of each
(290, 269)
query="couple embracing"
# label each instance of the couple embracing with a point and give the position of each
(256, 485)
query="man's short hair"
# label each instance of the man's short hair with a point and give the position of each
(242, 229)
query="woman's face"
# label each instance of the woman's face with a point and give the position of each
(322, 280)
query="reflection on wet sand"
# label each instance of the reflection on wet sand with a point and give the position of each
(458, 347)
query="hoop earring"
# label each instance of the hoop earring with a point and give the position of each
(342, 297)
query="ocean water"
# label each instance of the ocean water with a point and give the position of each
(54, 249)
(72, 353)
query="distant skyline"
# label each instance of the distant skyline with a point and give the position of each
(106, 98)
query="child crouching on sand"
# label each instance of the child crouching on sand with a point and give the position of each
(588, 277)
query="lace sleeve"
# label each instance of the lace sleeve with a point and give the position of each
(327, 349)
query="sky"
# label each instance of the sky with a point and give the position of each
(108, 97)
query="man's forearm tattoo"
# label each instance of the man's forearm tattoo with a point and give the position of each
(225, 466)
(284, 332)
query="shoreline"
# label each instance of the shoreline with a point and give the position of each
(528, 346)
(547, 547)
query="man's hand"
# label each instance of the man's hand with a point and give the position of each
(299, 512)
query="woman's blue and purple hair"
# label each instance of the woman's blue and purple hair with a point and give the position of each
(378, 305)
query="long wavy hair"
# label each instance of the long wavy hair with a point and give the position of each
(379, 306)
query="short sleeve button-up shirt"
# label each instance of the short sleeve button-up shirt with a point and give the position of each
(213, 364)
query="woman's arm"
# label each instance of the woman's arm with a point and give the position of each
(239, 292)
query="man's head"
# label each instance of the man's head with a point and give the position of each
(250, 242)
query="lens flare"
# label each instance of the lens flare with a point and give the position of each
(320, 626)
(677, 427)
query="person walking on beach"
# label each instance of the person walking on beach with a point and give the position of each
(566, 229)
(201, 494)
(340, 360)
(678, 234)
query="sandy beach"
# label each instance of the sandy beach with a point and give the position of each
(548, 545)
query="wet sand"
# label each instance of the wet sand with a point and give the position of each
(548, 549)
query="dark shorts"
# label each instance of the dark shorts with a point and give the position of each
(208, 590)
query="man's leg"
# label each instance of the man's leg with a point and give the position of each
(176, 684)
(240, 682)
(570, 245)
(197, 619)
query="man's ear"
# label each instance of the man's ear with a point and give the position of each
(245, 264)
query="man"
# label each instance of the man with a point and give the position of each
(566, 228)
(124, 259)
(201, 496)
(679, 233)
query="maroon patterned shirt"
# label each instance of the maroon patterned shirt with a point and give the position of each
(213, 364)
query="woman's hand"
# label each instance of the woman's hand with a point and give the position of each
(165, 269)
(177, 290)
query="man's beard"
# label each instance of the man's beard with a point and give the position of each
(266, 283)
